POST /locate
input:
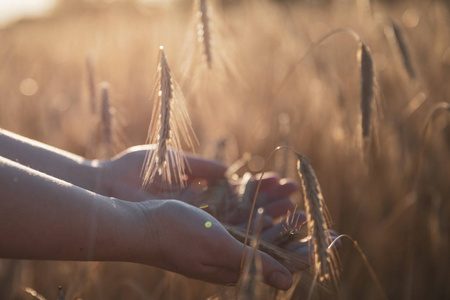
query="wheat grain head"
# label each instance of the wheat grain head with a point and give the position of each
(169, 126)
(367, 83)
(204, 31)
(325, 260)
(403, 49)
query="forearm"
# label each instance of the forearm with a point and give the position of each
(42, 217)
(50, 160)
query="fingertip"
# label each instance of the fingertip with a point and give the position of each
(202, 168)
(279, 208)
(280, 280)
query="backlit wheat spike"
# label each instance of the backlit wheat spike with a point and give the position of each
(402, 47)
(170, 122)
(325, 262)
(106, 120)
(204, 32)
(251, 275)
(367, 82)
(91, 84)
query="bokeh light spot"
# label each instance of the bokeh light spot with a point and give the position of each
(28, 87)
(199, 186)
(411, 18)
(208, 224)
(256, 163)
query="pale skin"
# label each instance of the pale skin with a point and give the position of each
(59, 206)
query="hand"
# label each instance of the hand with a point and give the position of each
(121, 176)
(121, 179)
(181, 238)
(293, 224)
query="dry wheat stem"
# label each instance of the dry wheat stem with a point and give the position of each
(441, 106)
(310, 50)
(411, 198)
(170, 124)
(365, 260)
(325, 260)
(91, 84)
(251, 275)
(253, 206)
(33, 293)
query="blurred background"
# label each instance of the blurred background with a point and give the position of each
(267, 84)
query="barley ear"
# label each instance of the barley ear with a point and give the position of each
(403, 49)
(170, 124)
(204, 31)
(106, 120)
(325, 261)
(367, 83)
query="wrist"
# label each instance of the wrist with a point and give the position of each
(123, 233)
(143, 242)
(100, 171)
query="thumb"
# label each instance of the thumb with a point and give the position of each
(274, 273)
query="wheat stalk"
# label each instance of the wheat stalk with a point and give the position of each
(251, 274)
(91, 84)
(325, 261)
(437, 108)
(170, 124)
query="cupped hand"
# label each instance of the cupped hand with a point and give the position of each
(205, 182)
(182, 238)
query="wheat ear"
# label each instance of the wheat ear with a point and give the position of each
(170, 123)
(325, 260)
(403, 48)
(106, 119)
(204, 31)
(367, 82)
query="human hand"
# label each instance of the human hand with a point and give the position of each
(121, 176)
(121, 179)
(181, 238)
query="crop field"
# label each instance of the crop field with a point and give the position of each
(360, 88)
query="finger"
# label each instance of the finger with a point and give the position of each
(274, 273)
(267, 223)
(283, 190)
(292, 222)
(219, 275)
(268, 181)
(279, 208)
(202, 168)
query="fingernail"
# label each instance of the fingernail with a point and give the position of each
(280, 280)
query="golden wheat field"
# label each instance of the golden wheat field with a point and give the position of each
(358, 87)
